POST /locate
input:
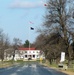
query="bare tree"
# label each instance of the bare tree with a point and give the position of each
(16, 43)
(51, 45)
(59, 19)
(4, 44)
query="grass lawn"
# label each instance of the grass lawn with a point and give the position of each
(5, 64)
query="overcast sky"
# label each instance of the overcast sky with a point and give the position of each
(17, 16)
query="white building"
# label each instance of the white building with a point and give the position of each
(8, 54)
(26, 54)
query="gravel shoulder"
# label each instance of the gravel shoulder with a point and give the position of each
(67, 72)
(64, 71)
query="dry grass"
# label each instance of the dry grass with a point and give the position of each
(5, 64)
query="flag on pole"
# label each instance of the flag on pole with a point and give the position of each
(31, 22)
(32, 28)
(45, 4)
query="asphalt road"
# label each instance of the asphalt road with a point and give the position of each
(29, 69)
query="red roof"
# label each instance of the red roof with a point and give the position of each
(26, 49)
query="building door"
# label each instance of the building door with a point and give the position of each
(29, 57)
(33, 56)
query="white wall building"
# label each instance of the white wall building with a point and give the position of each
(8, 54)
(26, 54)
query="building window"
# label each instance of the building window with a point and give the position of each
(9, 55)
(37, 52)
(25, 56)
(33, 56)
(25, 51)
(37, 55)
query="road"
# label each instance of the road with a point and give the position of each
(29, 69)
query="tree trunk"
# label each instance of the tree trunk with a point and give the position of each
(69, 57)
(69, 63)
(50, 60)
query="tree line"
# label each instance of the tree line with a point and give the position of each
(57, 32)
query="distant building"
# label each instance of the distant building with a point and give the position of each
(8, 54)
(26, 54)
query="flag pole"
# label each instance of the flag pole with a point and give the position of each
(30, 28)
(29, 32)
(29, 38)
